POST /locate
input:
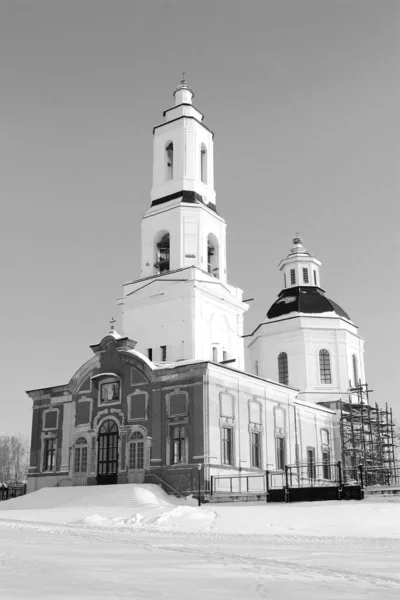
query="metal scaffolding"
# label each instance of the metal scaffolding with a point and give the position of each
(368, 438)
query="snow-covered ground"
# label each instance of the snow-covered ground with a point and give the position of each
(137, 542)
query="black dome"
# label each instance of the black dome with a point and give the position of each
(311, 300)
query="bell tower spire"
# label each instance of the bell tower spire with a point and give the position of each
(182, 227)
(183, 152)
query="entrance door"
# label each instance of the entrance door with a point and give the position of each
(136, 458)
(107, 465)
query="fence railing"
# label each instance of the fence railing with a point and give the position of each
(12, 490)
(238, 484)
(371, 476)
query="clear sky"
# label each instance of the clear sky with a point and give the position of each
(303, 97)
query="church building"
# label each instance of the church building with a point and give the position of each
(181, 392)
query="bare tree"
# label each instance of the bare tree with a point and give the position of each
(14, 458)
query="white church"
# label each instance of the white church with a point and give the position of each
(180, 390)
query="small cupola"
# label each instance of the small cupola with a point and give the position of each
(300, 268)
(183, 94)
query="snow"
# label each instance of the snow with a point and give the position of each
(135, 541)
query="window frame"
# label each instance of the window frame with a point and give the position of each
(79, 447)
(136, 451)
(203, 164)
(163, 353)
(49, 466)
(280, 452)
(355, 369)
(179, 443)
(283, 368)
(169, 160)
(305, 274)
(227, 445)
(325, 367)
(255, 449)
(311, 466)
(292, 276)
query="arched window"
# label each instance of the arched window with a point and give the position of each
(213, 255)
(325, 366)
(80, 455)
(163, 254)
(203, 163)
(355, 370)
(283, 368)
(136, 451)
(169, 151)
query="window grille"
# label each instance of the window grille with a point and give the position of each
(305, 275)
(292, 276)
(227, 446)
(283, 368)
(325, 366)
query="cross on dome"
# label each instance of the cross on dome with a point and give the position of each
(183, 93)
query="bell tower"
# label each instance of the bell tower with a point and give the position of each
(182, 226)
(182, 306)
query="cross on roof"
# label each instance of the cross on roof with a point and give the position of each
(112, 323)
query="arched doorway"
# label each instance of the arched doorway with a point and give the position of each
(107, 456)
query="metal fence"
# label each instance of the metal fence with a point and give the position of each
(12, 490)
(238, 484)
(372, 476)
(301, 482)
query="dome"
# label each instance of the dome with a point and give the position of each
(309, 300)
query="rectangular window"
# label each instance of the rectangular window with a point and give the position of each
(284, 279)
(215, 354)
(224, 355)
(305, 275)
(326, 467)
(49, 454)
(255, 449)
(311, 471)
(163, 353)
(227, 446)
(315, 277)
(178, 445)
(150, 353)
(280, 453)
(292, 276)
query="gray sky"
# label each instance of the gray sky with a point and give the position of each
(303, 97)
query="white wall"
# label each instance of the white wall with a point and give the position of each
(302, 337)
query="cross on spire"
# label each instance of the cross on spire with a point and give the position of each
(112, 323)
